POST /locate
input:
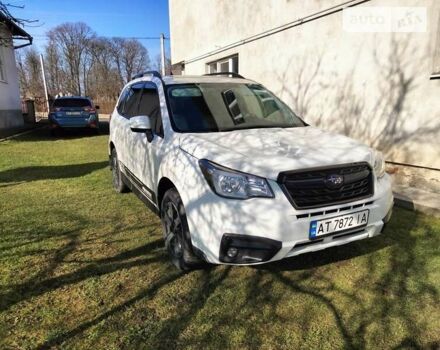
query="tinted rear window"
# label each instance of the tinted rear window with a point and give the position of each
(71, 102)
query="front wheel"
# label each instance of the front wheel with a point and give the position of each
(176, 232)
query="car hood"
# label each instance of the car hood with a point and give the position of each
(267, 152)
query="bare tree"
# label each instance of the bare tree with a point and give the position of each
(158, 64)
(73, 40)
(79, 62)
(87, 64)
(22, 73)
(130, 57)
(55, 73)
(30, 77)
(104, 82)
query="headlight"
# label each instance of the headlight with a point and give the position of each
(234, 184)
(379, 164)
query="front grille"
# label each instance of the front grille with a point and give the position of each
(316, 187)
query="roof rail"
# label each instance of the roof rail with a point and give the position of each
(232, 74)
(154, 73)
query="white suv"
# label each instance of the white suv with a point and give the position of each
(236, 176)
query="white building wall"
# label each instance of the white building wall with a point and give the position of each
(10, 105)
(375, 87)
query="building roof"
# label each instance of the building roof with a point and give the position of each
(16, 31)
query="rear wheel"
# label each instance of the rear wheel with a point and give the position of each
(118, 183)
(176, 232)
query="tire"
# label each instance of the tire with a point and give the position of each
(118, 183)
(176, 232)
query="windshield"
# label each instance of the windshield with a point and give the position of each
(211, 107)
(71, 102)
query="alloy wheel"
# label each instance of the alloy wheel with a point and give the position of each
(173, 230)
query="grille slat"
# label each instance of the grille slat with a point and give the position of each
(309, 188)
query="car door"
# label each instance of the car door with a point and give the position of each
(148, 154)
(128, 107)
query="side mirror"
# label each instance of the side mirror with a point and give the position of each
(142, 124)
(96, 107)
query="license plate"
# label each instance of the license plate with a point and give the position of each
(339, 223)
(73, 113)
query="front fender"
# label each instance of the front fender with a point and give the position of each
(184, 172)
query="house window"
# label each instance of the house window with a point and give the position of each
(2, 67)
(212, 67)
(227, 64)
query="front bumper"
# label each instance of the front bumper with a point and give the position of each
(285, 228)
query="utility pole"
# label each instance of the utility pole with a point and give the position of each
(44, 83)
(162, 52)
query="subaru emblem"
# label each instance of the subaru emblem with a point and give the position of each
(334, 181)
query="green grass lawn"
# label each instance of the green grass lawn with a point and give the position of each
(82, 267)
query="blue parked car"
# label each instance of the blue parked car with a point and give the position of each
(73, 112)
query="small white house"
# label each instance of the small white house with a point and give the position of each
(10, 105)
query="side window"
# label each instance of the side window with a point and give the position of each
(131, 105)
(150, 105)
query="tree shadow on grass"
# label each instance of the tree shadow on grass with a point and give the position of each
(35, 287)
(395, 283)
(50, 172)
(328, 256)
(167, 337)
(387, 285)
(149, 292)
(168, 334)
(41, 283)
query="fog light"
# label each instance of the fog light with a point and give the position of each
(247, 249)
(232, 252)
